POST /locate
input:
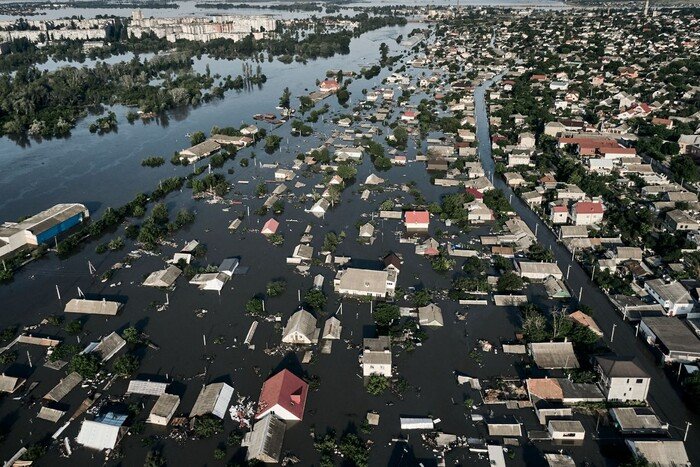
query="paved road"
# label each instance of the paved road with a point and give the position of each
(663, 397)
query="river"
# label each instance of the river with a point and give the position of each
(94, 167)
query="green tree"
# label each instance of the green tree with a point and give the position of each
(346, 171)
(126, 365)
(131, 335)
(154, 459)
(509, 282)
(86, 365)
(285, 98)
(315, 299)
(255, 307)
(377, 384)
(385, 313)
(343, 96)
(197, 137)
(207, 426)
(276, 288)
(684, 168)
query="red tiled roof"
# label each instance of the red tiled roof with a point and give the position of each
(545, 388)
(475, 193)
(286, 390)
(270, 226)
(618, 150)
(588, 207)
(417, 217)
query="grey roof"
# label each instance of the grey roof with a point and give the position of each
(165, 406)
(504, 426)
(44, 220)
(362, 280)
(163, 278)
(430, 315)
(211, 398)
(149, 388)
(551, 355)
(264, 442)
(92, 307)
(301, 322)
(566, 425)
(49, 414)
(10, 383)
(660, 452)
(559, 460)
(63, 387)
(332, 328)
(637, 419)
(672, 291)
(616, 367)
(109, 346)
(675, 335)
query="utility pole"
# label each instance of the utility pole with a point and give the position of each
(687, 428)
(612, 335)
(568, 270)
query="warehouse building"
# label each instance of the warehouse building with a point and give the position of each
(40, 228)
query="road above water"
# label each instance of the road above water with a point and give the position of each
(663, 396)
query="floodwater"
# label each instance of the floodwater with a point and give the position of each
(188, 8)
(105, 171)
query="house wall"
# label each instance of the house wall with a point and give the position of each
(626, 389)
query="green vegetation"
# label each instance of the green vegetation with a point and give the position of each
(207, 426)
(385, 313)
(377, 385)
(509, 282)
(315, 299)
(126, 365)
(153, 161)
(276, 288)
(86, 365)
(255, 307)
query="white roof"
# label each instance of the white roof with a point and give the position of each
(96, 435)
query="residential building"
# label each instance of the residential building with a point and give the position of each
(675, 341)
(366, 282)
(301, 329)
(284, 395)
(587, 213)
(622, 380)
(264, 441)
(212, 399)
(376, 356)
(417, 221)
(675, 299)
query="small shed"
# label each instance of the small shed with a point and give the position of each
(63, 387)
(163, 278)
(332, 328)
(109, 346)
(213, 399)
(49, 414)
(553, 355)
(264, 442)
(164, 409)
(430, 315)
(569, 430)
(147, 388)
(10, 384)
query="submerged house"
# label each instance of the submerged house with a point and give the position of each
(376, 356)
(212, 399)
(264, 441)
(284, 395)
(102, 433)
(301, 329)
